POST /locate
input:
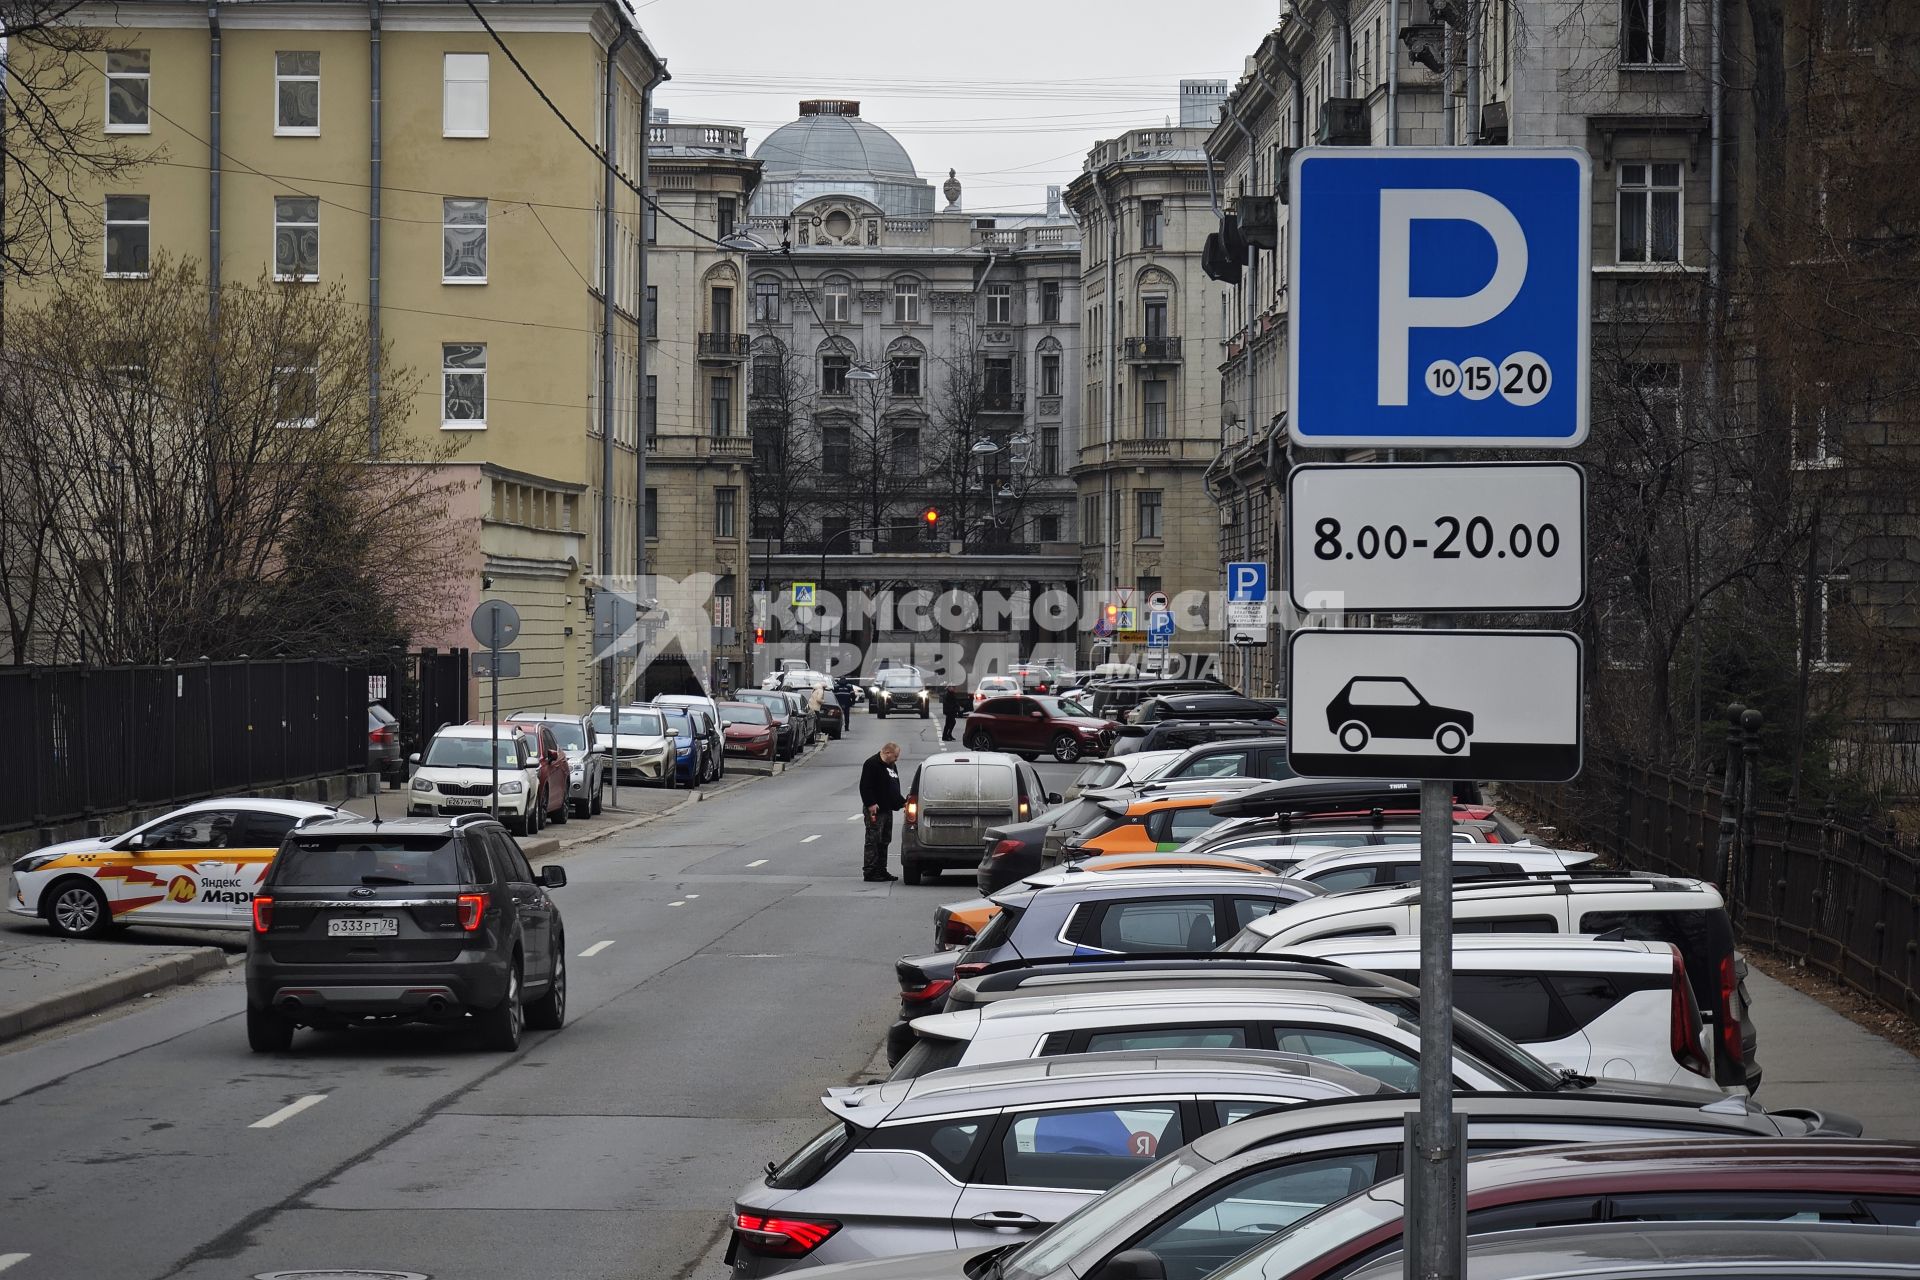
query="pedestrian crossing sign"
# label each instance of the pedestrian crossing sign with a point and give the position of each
(803, 595)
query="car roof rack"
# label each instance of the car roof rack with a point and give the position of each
(1309, 795)
(462, 819)
(1007, 975)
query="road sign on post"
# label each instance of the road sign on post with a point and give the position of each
(1437, 537)
(496, 625)
(805, 595)
(1247, 602)
(1159, 629)
(1439, 297)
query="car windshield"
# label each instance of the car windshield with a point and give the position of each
(638, 722)
(744, 715)
(682, 723)
(320, 861)
(776, 704)
(569, 735)
(899, 680)
(469, 753)
(1338, 1224)
(1098, 1219)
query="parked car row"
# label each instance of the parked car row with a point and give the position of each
(1178, 1035)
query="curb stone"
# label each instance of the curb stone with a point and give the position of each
(153, 975)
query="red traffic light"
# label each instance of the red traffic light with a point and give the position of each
(1113, 613)
(931, 516)
(759, 635)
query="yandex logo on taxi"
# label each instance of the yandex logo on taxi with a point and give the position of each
(182, 889)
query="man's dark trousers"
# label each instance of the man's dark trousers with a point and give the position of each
(879, 835)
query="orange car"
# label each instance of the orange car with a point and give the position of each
(957, 924)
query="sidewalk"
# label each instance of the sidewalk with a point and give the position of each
(1814, 1057)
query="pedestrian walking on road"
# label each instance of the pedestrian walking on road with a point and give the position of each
(880, 798)
(953, 705)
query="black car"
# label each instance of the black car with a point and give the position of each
(413, 920)
(1015, 851)
(1114, 698)
(1167, 735)
(1369, 707)
(1219, 705)
(899, 691)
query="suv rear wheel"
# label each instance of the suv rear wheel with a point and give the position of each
(501, 1025)
(909, 872)
(267, 1031)
(549, 1012)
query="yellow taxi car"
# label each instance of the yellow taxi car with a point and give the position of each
(197, 866)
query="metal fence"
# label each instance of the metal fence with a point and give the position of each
(1841, 893)
(98, 740)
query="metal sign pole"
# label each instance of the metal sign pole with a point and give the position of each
(1435, 1249)
(613, 743)
(493, 753)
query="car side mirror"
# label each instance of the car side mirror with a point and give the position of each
(414, 758)
(1133, 1264)
(1053, 797)
(134, 841)
(552, 877)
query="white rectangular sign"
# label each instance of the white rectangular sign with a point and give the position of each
(1437, 537)
(1247, 622)
(1490, 706)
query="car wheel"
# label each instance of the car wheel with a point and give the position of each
(549, 1012)
(1354, 736)
(909, 873)
(979, 740)
(1066, 748)
(881, 713)
(78, 909)
(1450, 738)
(583, 809)
(520, 826)
(267, 1031)
(501, 1025)
(560, 815)
(926, 714)
(600, 796)
(1028, 755)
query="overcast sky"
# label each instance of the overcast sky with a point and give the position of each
(1011, 95)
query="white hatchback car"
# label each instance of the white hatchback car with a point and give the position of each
(1365, 866)
(996, 687)
(197, 866)
(456, 776)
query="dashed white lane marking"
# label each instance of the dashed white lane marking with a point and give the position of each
(692, 896)
(758, 862)
(10, 1259)
(596, 948)
(810, 839)
(289, 1111)
(677, 904)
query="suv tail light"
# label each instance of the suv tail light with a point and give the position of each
(955, 934)
(782, 1237)
(969, 970)
(382, 735)
(913, 808)
(262, 913)
(933, 989)
(1726, 1025)
(472, 907)
(1001, 848)
(1025, 808)
(1683, 1026)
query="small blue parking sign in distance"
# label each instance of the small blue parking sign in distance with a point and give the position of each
(1440, 296)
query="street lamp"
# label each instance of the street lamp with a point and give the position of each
(824, 544)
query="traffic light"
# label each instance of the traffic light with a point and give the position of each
(1113, 615)
(759, 635)
(932, 516)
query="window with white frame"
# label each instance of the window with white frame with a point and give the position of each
(999, 304)
(296, 94)
(129, 233)
(129, 86)
(463, 240)
(1650, 32)
(296, 395)
(464, 96)
(838, 295)
(463, 385)
(906, 376)
(906, 301)
(1649, 204)
(296, 238)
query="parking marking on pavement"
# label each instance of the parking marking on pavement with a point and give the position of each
(758, 862)
(810, 839)
(289, 1111)
(596, 948)
(677, 904)
(11, 1259)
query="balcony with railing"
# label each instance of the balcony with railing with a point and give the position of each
(1003, 402)
(1151, 351)
(726, 348)
(1146, 447)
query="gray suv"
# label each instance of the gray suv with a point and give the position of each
(412, 919)
(982, 1155)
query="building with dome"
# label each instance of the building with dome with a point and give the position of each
(905, 359)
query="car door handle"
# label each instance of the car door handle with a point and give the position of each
(1006, 1218)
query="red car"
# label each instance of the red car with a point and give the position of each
(1703, 1179)
(1030, 724)
(556, 772)
(749, 729)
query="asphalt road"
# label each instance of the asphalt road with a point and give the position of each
(738, 966)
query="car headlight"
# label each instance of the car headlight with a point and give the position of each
(874, 690)
(923, 695)
(35, 861)
(422, 784)
(512, 788)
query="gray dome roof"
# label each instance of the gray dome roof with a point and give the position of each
(830, 139)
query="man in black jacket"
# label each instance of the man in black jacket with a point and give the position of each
(953, 705)
(879, 798)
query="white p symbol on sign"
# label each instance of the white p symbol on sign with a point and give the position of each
(1246, 582)
(1401, 311)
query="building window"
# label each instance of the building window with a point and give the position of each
(129, 85)
(128, 234)
(999, 377)
(296, 93)
(1154, 312)
(906, 450)
(1050, 451)
(1813, 432)
(1153, 409)
(1090, 534)
(1649, 220)
(463, 101)
(1050, 375)
(836, 450)
(650, 221)
(838, 295)
(653, 513)
(720, 405)
(1147, 508)
(296, 238)
(1835, 603)
(906, 376)
(766, 374)
(721, 309)
(1047, 528)
(999, 304)
(653, 311)
(463, 385)
(296, 395)
(726, 216)
(906, 302)
(651, 409)
(1146, 588)
(766, 301)
(1650, 32)
(463, 241)
(726, 503)
(1049, 302)
(1150, 224)
(833, 373)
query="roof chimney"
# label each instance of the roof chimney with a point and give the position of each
(829, 107)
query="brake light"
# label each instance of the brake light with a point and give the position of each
(382, 735)
(955, 934)
(262, 914)
(782, 1237)
(1042, 688)
(1728, 1025)
(933, 990)
(1002, 848)
(913, 809)
(1684, 1023)
(1024, 810)
(969, 970)
(472, 907)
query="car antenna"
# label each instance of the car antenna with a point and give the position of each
(378, 787)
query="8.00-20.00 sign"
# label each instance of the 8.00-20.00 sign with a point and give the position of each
(1451, 537)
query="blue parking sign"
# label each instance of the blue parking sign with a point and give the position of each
(1246, 581)
(1439, 296)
